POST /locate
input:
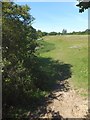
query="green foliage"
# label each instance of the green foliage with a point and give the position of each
(58, 33)
(19, 42)
(53, 33)
(39, 33)
(83, 5)
(26, 77)
(86, 32)
(64, 31)
(44, 33)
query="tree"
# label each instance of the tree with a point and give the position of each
(44, 33)
(53, 33)
(58, 33)
(64, 31)
(39, 33)
(18, 48)
(83, 5)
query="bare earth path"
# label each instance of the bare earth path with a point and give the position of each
(66, 102)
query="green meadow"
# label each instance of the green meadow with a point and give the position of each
(70, 49)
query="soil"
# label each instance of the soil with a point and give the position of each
(65, 102)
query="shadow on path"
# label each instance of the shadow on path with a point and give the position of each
(50, 72)
(55, 80)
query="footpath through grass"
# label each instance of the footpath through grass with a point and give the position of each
(70, 49)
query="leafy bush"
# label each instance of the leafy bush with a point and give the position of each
(19, 42)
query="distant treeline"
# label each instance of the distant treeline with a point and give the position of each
(64, 32)
(80, 32)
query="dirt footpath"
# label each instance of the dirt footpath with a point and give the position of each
(66, 102)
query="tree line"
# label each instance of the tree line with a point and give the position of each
(64, 32)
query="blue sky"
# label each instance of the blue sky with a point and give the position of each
(55, 16)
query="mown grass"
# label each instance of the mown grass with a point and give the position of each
(71, 49)
(45, 46)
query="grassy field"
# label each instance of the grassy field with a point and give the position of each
(70, 49)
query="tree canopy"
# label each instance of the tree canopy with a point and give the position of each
(18, 48)
(83, 5)
(64, 31)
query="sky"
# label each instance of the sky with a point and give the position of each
(56, 16)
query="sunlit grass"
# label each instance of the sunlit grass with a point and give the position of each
(71, 49)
